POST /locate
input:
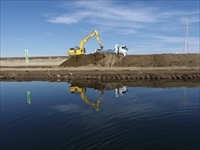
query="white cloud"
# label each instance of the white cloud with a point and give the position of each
(69, 18)
(164, 44)
(169, 39)
(127, 19)
(24, 40)
(48, 33)
(64, 19)
(189, 19)
(104, 10)
(105, 13)
(170, 13)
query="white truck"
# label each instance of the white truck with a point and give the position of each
(119, 50)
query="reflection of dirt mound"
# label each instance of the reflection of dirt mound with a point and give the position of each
(154, 60)
(154, 84)
(98, 85)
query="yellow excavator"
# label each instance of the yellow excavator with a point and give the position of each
(81, 91)
(80, 50)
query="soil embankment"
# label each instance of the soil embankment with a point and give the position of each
(105, 68)
(153, 60)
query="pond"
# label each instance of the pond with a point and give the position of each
(58, 115)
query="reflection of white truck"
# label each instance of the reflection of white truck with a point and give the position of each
(119, 50)
(121, 91)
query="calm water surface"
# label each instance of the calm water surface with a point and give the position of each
(51, 117)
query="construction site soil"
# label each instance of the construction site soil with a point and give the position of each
(105, 68)
(153, 60)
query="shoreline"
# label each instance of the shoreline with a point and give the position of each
(163, 67)
(46, 73)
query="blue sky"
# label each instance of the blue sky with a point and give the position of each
(50, 28)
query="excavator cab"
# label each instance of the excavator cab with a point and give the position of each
(82, 91)
(76, 51)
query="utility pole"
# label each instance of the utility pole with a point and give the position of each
(186, 41)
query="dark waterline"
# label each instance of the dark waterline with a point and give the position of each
(55, 118)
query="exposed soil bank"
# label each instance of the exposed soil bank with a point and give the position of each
(153, 60)
(103, 76)
(104, 68)
(109, 85)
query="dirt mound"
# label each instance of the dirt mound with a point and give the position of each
(160, 60)
(83, 60)
(153, 60)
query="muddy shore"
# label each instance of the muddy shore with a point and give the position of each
(99, 74)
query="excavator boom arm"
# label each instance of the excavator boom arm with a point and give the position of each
(85, 39)
(82, 91)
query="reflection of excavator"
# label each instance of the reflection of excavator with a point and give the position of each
(81, 49)
(81, 91)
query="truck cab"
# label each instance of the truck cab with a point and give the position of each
(121, 50)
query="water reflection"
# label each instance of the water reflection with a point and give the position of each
(82, 92)
(28, 93)
(121, 91)
(138, 118)
(75, 89)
